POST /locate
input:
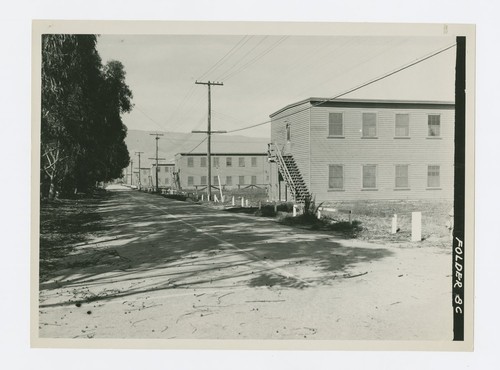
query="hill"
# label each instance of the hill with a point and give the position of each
(172, 143)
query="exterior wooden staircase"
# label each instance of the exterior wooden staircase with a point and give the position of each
(290, 173)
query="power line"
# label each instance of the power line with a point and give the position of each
(227, 55)
(223, 75)
(400, 69)
(256, 58)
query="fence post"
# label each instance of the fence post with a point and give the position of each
(215, 198)
(394, 228)
(416, 226)
(232, 201)
(202, 197)
(246, 203)
(294, 210)
(319, 214)
(275, 207)
(260, 204)
(242, 202)
(350, 217)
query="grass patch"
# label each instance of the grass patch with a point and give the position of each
(311, 222)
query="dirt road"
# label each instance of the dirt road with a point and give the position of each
(168, 269)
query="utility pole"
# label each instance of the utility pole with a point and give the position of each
(209, 132)
(156, 170)
(139, 154)
(131, 171)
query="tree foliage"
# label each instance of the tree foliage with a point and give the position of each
(82, 133)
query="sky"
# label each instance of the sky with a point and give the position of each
(262, 74)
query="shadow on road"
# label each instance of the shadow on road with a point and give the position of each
(148, 243)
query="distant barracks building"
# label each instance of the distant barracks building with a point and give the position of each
(235, 170)
(165, 175)
(362, 150)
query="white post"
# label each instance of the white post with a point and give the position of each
(222, 198)
(232, 201)
(294, 210)
(319, 214)
(242, 202)
(246, 203)
(394, 228)
(220, 188)
(416, 226)
(202, 197)
(215, 198)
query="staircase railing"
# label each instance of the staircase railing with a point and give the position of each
(284, 170)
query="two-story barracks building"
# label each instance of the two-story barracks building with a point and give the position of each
(234, 170)
(348, 149)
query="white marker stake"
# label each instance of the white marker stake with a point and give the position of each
(242, 202)
(232, 201)
(294, 210)
(319, 214)
(202, 197)
(215, 198)
(246, 202)
(416, 226)
(394, 228)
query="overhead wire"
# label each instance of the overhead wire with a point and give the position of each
(386, 75)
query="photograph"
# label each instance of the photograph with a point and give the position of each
(252, 184)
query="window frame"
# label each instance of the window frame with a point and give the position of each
(396, 176)
(330, 134)
(203, 162)
(239, 180)
(363, 187)
(190, 161)
(229, 161)
(203, 180)
(330, 188)
(253, 180)
(253, 162)
(396, 136)
(190, 181)
(216, 161)
(230, 182)
(363, 126)
(429, 134)
(429, 186)
(240, 161)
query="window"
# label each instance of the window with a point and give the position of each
(229, 181)
(241, 161)
(369, 125)
(203, 162)
(433, 176)
(402, 176)
(216, 181)
(369, 176)
(254, 180)
(166, 181)
(242, 180)
(203, 180)
(190, 181)
(335, 124)
(402, 125)
(167, 169)
(254, 161)
(434, 124)
(216, 161)
(190, 162)
(288, 132)
(229, 162)
(336, 176)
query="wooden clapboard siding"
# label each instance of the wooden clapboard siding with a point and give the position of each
(261, 171)
(314, 151)
(352, 151)
(298, 117)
